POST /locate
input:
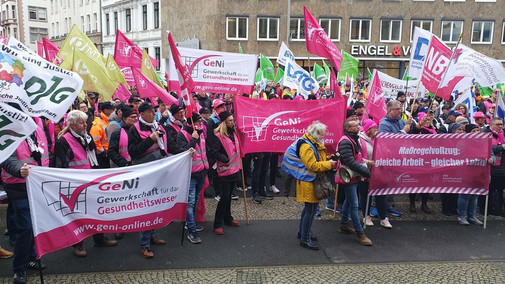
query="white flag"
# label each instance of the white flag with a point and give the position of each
(420, 43)
(284, 53)
(15, 126)
(297, 78)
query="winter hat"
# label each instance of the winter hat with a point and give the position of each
(421, 115)
(479, 114)
(350, 112)
(470, 127)
(224, 115)
(454, 126)
(367, 124)
(461, 120)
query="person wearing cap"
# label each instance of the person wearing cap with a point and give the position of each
(359, 109)
(204, 100)
(99, 135)
(162, 114)
(192, 136)
(92, 102)
(205, 112)
(480, 119)
(115, 120)
(147, 141)
(490, 113)
(118, 142)
(451, 117)
(462, 120)
(134, 102)
(175, 126)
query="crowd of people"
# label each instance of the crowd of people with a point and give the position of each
(104, 134)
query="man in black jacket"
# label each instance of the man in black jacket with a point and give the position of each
(129, 117)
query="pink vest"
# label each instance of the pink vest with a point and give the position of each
(233, 153)
(497, 141)
(358, 157)
(200, 158)
(24, 156)
(175, 126)
(80, 160)
(146, 133)
(123, 145)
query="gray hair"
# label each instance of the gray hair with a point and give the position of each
(75, 115)
(316, 129)
(392, 104)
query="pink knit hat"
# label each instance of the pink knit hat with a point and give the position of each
(367, 124)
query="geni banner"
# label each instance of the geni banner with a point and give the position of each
(431, 163)
(69, 205)
(273, 125)
(217, 72)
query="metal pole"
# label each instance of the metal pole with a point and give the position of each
(288, 23)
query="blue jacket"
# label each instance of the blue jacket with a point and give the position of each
(390, 125)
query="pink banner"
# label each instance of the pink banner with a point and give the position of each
(376, 103)
(122, 93)
(3, 40)
(273, 125)
(40, 49)
(149, 89)
(431, 163)
(50, 49)
(185, 81)
(435, 64)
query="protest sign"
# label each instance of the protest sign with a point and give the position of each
(15, 126)
(284, 53)
(73, 204)
(297, 78)
(435, 64)
(391, 86)
(420, 42)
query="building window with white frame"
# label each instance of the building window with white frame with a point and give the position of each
(107, 24)
(360, 30)
(482, 32)
(88, 18)
(156, 15)
(83, 24)
(451, 31)
(157, 56)
(95, 22)
(391, 30)
(268, 29)
(116, 22)
(426, 25)
(485, 1)
(128, 18)
(37, 14)
(297, 29)
(36, 34)
(144, 17)
(331, 27)
(237, 28)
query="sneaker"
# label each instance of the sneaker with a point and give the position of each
(80, 251)
(194, 238)
(105, 242)
(394, 212)
(5, 253)
(239, 188)
(463, 221)
(146, 252)
(318, 213)
(339, 210)
(248, 188)
(218, 198)
(256, 199)
(385, 223)
(234, 197)
(233, 224)
(475, 221)
(198, 228)
(274, 189)
(218, 231)
(309, 245)
(346, 229)
(374, 212)
(118, 236)
(368, 221)
(34, 265)
(156, 241)
(20, 278)
(329, 208)
(265, 195)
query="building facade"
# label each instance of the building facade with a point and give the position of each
(377, 32)
(139, 20)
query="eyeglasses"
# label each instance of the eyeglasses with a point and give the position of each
(499, 124)
(398, 108)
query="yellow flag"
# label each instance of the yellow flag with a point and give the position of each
(95, 77)
(76, 39)
(147, 69)
(114, 72)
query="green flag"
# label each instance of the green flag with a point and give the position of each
(259, 76)
(326, 69)
(369, 73)
(406, 74)
(501, 86)
(319, 74)
(349, 66)
(485, 91)
(267, 67)
(279, 76)
(240, 48)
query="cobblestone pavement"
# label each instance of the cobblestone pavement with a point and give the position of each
(446, 272)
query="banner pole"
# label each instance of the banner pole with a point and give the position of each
(245, 195)
(485, 211)
(366, 209)
(335, 203)
(41, 274)
(415, 98)
(310, 74)
(182, 235)
(449, 65)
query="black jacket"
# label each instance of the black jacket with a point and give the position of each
(499, 152)
(113, 154)
(347, 151)
(184, 144)
(13, 166)
(216, 152)
(63, 154)
(205, 101)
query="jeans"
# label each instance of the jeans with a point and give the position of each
(223, 209)
(11, 223)
(274, 162)
(145, 238)
(467, 205)
(259, 173)
(306, 220)
(350, 208)
(380, 201)
(195, 186)
(24, 251)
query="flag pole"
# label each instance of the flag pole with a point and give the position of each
(449, 65)
(310, 74)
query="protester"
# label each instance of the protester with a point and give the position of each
(99, 136)
(497, 184)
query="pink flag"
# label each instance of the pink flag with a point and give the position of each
(122, 93)
(318, 42)
(148, 89)
(334, 85)
(185, 81)
(435, 64)
(127, 53)
(445, 92)
(51, 50)
(376, 103)
(3, 40)
(40, 49)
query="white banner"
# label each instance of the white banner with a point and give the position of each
(420, 42)
(71, 204)
(297, 78)
(15, 126)
(391, 86)
(284, 53)
(39, 87)
(16, 44)
(217, 72)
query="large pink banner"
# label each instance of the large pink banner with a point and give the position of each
(436, 163)
(273, 125)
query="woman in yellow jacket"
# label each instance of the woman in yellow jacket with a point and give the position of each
(305, 190)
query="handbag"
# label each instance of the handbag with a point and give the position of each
(323, 188)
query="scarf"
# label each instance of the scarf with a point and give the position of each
(154, 128)
(430, 130)
(500, 137)
(85, 140)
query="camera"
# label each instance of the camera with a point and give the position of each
(161, 133)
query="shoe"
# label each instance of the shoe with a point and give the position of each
(218, 231)
(265, 195)
(234, 197)
(475, 221)
(256, 198)
(198, 228)
(363, 239)
(309, 245)
(194, 238)
(158, 242)
(329, 208)
(318, 213)
(374, 212)
(368, 221)
(346, 229)
(218, 198)
(34, 265)
(312, 238)
(463, 221)
(106, 243)
(394, 212)
(5, 253)
(233, 224)
(146, 252)
(239, 188)
(6, 232)
(80, 251)
(20, 278)
(412, 208)
(274, 189)
(286, 193)
(425, 209)
(385, 223)
(118, 236)
(339, 210)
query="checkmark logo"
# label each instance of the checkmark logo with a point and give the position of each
(73, 198)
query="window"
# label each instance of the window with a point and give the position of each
(423, 24)
(268, 29)
(32, 11)
(482, 32)
(156, 15)
(37, 14)
(88, 17)
(15, 31)
(360, 30)
(128, 20)
(116, 22)
(83, 24)
(36, 34)
(14, 11)
(503, 34)
(147, 50)
(451, 31)
(391, 31)
(107, 24)
(485, 0)
(237, 28)
(297, 29)
(331, 27)
(95, 22)
(157, 56)
(144, 17)
(454, 0)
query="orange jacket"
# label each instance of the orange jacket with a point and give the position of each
(97, 131)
